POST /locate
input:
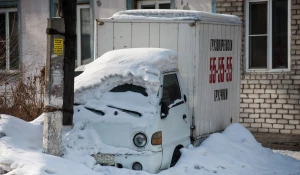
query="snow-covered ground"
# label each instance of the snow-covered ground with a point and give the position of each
(234, 151)
(295, 154)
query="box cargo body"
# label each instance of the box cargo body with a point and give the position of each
(209, 51)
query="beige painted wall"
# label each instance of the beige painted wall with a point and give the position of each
(34, 16)
(199, 5)
(108, 8)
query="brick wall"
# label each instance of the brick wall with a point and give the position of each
(270, 101)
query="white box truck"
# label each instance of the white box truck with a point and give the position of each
(209, 53)
(186, 106)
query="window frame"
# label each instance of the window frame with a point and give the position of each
(177, 77)
(162, 75)
(78, 31)
(153, 2)
(269, 39)
(7, 39)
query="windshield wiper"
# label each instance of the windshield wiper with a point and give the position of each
(95, 111)
(125, 110)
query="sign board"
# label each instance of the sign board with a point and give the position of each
(58, 46)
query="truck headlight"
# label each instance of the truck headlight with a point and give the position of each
(140, 140)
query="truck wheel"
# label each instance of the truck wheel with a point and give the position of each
(176, 155)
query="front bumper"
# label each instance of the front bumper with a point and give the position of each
(151, 163)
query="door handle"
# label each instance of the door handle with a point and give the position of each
(184, 117)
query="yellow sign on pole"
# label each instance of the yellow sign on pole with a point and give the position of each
(58, 46)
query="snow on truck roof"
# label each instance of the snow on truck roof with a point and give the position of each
(176, 15)
(139, 66)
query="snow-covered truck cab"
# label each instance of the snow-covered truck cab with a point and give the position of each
(138, 109)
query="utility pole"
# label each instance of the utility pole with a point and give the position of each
(69, 15)
(60, 64)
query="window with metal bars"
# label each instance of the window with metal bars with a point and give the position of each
(9, 40)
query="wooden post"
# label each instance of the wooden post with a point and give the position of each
(69, 15)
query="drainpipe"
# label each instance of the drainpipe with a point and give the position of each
(172, 4)
(129, 4)
(213, 6)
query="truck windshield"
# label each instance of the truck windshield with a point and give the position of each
(129, 98)
(130, 87)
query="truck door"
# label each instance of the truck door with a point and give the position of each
(174, 117)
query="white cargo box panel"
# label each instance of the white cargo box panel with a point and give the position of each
(209, 53)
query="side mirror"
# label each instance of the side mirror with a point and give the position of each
(184, 97)
(164, 110)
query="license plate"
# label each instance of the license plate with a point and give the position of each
(104, 159)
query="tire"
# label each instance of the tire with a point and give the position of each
(176, 156)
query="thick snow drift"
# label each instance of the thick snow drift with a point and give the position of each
(235, 151)
(140, 67)
(175, 15)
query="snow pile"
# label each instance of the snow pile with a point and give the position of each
(21, 133)
(235, 151)
(175, 15)
(140, 67)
